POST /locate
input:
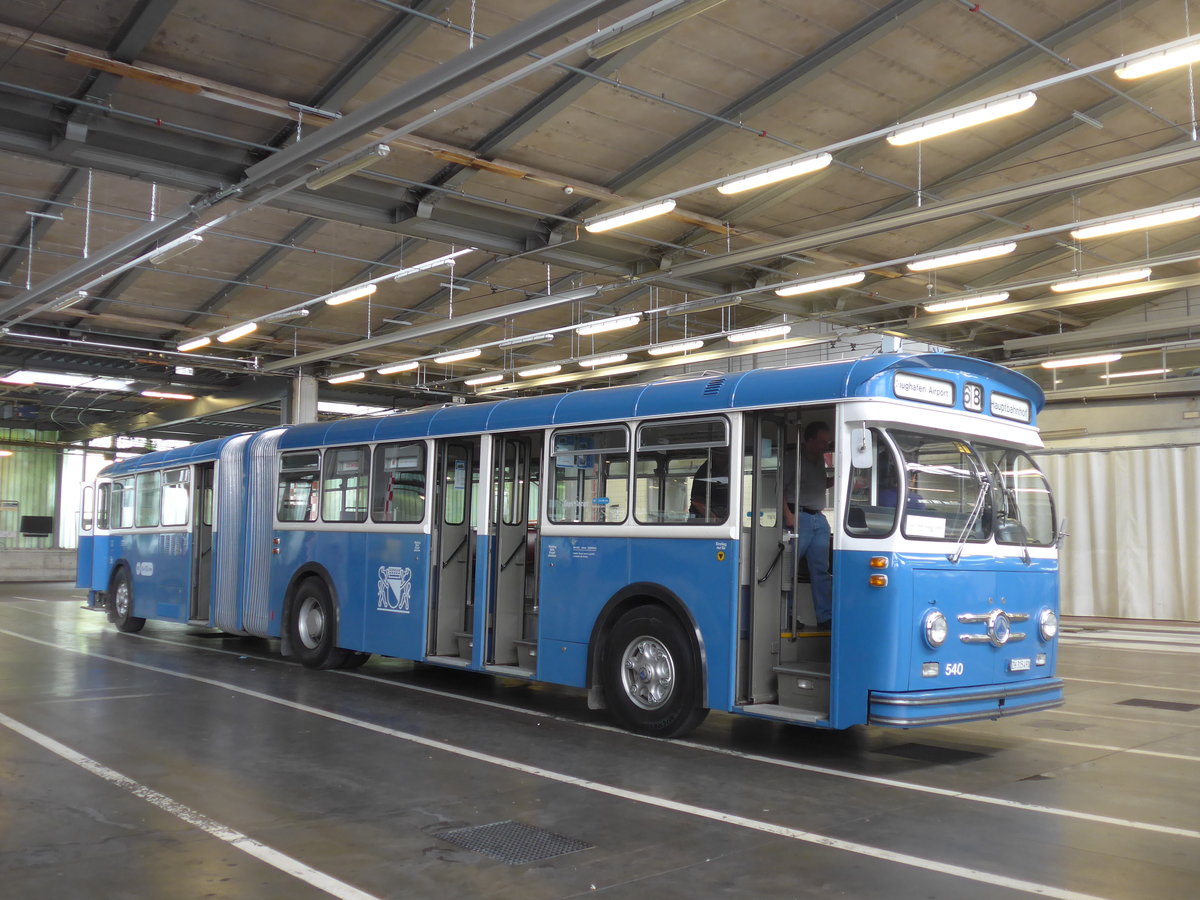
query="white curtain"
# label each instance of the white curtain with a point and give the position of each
(1134, 522)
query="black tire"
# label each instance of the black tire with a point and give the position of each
(120, 604)
(651, 674)
(354, 659)
(312, 627)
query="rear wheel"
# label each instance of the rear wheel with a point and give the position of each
(650, 674)
(312, 627)
(120, 604)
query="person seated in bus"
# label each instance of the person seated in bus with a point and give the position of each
(710, 493)
(813, 537)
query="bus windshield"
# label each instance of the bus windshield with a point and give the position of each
(943, 481)
(950, 489)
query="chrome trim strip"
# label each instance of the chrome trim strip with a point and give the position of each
(997, 713)
(1001, 694)
(1013, 638)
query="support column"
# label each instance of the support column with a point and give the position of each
(301, 405)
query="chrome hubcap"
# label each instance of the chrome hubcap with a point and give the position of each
(648, 673)
(121, 598)
(311, 622)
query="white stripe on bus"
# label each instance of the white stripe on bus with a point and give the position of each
(246, 844)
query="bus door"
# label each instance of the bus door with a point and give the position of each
(452, 614)
(511, 620)
(766, 560)
(202, 544)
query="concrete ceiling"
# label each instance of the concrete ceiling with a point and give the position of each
(128, 124)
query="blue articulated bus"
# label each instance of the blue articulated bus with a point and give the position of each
(632, 541)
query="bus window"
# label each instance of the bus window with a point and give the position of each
(591, 476)
(344, 492)
(299, 474)
(103, 505)
(944, 490)
(399, 486)
(683, 472)
(1021, 498)
(122, 504)
(149, 493)
(87, 507)
(874, 493)
(175, 489)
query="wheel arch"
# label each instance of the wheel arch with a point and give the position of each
(302, 574)
(641, 593)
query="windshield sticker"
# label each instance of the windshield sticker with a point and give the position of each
(925, 526)
(1014, 408)
(922, 389)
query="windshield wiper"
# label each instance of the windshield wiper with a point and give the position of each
(969, 525)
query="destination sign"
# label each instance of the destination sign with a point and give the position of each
(1014, 408)
(923, 389)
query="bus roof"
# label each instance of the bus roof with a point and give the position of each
(754, 388)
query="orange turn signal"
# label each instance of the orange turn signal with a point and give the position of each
(878, 562)
(877, 581)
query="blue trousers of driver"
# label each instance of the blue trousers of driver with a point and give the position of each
(812, 543)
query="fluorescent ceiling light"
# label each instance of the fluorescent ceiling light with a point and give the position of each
(673, 348)
(1160, 62)
(337, 298)
(526, 341)
(821, 284)
(67, 300)
(484, 379)
(774, 174)
(966, 302)
(170, 251)
(336, 171)
(1096, 281)
(1081, 361)
(616, 323)
(284, 315)
(194, 344)
(350, 409)
(457, 356)
(62, 379)
(625, 217)
(1135, 374)
(430, 264)
(6, 453)
(962, 257)
(608, 360)
(1137, 223)
(349, 376)
(240, 331)
(696, 306)
(968, 118)
(168, 395)
(540, 370)
(629, 36)
(398, 367)
(758, 334)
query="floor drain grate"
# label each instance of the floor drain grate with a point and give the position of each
(513, 842)
(1160, 704)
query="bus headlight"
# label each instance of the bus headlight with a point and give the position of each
(935, 628)
(1047, 624)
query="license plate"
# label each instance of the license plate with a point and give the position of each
(1018, 665)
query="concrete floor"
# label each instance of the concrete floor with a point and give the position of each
(242, 775)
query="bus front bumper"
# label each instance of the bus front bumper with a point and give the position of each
(908, 709)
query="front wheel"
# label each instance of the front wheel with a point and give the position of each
(650, 674)
(312, 627)
(120, 604)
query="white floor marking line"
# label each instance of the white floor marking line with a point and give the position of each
(94, 699)
(274, 858)
(1132, 684)
(802, 767)
(1126, 719)
(636, 796)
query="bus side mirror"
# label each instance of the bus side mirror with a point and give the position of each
(862, 448)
